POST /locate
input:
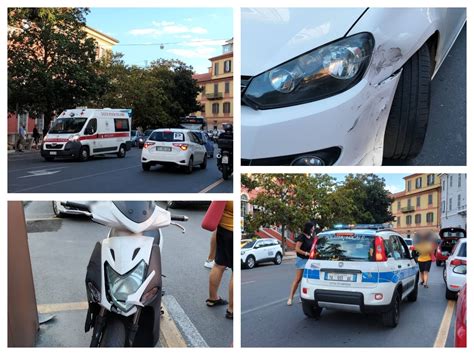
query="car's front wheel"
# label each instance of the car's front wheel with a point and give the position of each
(408, 118)
(250, 262)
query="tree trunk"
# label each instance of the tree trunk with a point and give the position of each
(283, 239)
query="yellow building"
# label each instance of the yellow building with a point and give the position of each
(217, 93)
(417, 207)
(104, 42)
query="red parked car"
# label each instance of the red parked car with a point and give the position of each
(449, 237)
(460, 332)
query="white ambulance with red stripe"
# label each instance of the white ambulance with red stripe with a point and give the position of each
(80, 133)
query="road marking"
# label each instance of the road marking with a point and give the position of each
(62, 307)
(43, 172)
(76, 178)
(42, 219)
(193, 337)
(443, 331)
(39, 167)
(247, 282)
(264, 306)
(170, 336)
(210, 187)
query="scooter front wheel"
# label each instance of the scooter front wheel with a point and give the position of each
(114, 335)
(225, 171)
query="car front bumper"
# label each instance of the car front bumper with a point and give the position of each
(70, 150)
(353, 121)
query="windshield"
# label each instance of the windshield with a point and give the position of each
(248, 244)
(452, 234)
(350, 248)
(167, 136)
(148, 132)
(68, 125)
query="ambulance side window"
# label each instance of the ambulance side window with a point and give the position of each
(91, 127)
(121, 125)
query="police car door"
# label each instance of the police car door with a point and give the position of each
(409, 266)
(400, 265)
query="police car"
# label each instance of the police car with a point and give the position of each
(366, 269)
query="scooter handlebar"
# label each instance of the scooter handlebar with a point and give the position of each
(79, 206)
(180, 218)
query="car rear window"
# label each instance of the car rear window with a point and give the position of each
(167, 136)
(453, 234)
(344, 247)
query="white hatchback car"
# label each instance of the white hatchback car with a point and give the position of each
(341, 86)
(174, 146)
(260, 251)
(364, 270)
(455, 269)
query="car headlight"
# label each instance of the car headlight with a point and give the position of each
(121, 286)
(242, 252)
(317, 74)
(74, 138)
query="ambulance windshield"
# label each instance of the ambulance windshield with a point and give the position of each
(68, 125)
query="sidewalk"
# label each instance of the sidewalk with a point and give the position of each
(290, 254)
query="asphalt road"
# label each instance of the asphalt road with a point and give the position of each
(60, 250)
(28, 172)
(265, 291)
(445, 142)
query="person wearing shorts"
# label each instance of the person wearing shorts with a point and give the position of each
(304, 242)
(425, 248)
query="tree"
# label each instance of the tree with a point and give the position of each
(51, 62)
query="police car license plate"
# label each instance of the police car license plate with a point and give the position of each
(163, 149)
(332, 276)
(53, 153)
(225, 160)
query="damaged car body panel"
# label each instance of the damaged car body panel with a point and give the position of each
(353, 121)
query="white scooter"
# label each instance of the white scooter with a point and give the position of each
(123, 280)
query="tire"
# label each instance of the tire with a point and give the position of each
(409, 115)
(84, 154)
(311, 310)
(56, 211)
(225, 171)
(392, 317)
(146, 166)
(122, 151)
(413, 295)
(451, 295)
(203, 165)
(189, 167)
(250, 262)
(278, 259)
(438, 263)
(49, 158)
(114, 335)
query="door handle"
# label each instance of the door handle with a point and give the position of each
(399, 266)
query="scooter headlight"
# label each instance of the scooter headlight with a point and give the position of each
(315, 75)
(121, 286)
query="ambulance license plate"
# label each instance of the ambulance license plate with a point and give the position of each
(53, 153)
(225, 159)
(332, 276)
(163, 149)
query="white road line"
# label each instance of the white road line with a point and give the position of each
(189, 331)
(247, 282)
(210, 187)
(264, 306)
(73, 179)
(45, 167)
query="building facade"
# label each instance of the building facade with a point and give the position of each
(217, 93)
(417, 208)
(453, 200)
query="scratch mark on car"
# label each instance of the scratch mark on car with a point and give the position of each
(354, 124)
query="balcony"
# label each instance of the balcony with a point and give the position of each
(462, 210)
(408, 209)
(214, 96)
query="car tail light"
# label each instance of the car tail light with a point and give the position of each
(312, 253)
(457, 262)
(379, 249)
(181, 146)
(305, 290)
(148, 144)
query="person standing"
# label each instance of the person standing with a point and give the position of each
(36, 137)
(220, 218)
(304, 242)
(20, 143)
(424, 247)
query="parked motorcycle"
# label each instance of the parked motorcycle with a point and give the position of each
(225, 143)
(124, 280)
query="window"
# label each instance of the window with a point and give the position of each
(429, 217)
(121, 125)
(417, 218)
(215, 108)
(227, 66)
(408, 219)
(216, 68)
(216, 88)
(418, 182)
(450, 181)
(399, 205)
(459, 180)
(226, 107)
(443, 206)
(459, 202)
(409, 185)
(398, 221)
(203, 89)
(227, 87)
(409, 203)
(244, 209)
(430, 199)
(431, 179)
(450, 204)
(443, 187)
(418, 201)
(397, 250)
(91, 127)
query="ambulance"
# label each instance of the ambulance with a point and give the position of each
(81, 133)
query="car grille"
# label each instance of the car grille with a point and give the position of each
(54, 146)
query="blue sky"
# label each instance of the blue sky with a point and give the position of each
(189, 34)
(394, 182)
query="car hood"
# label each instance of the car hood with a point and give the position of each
(272, 36)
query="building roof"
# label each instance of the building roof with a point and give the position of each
(202, 77)
(99, 35)
(222, 56)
